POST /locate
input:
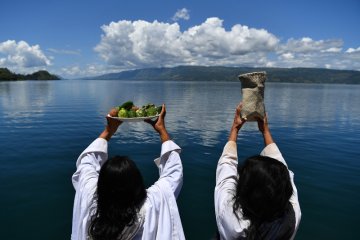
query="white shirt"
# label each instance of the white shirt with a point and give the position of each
(229, 226)
(162, 219)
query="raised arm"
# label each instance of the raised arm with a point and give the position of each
(264, 129)
(112, 125)
(226, 172)
(226, 180)
(169, 163)
(237, 124)
(271, 150)
(89, 162)
(86, 177)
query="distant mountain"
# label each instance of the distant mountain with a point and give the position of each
(201, 73)
(7, 75)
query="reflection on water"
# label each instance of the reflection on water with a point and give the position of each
(313, 104)
(24, 102)
(45, 125)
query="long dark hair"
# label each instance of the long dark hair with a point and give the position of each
(120, 194)
(262, 193)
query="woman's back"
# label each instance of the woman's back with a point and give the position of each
(111, 201)
(258, 200)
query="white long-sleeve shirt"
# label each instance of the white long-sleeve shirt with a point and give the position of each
(162, 219)
(229, 226)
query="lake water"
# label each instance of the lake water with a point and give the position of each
(45, 125)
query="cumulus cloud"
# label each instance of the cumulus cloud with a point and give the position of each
(140, 44)
(287, 56)
(306, 52)
(308, 45)
(136, 44)
(353, 50)
(332, 50)
(181, 14)
(22, 55)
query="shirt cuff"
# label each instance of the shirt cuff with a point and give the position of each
(166, 148)
(98, 145)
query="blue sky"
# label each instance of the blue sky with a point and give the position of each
(92, 37)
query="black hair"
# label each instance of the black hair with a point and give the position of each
(262, 194)
(119, 196)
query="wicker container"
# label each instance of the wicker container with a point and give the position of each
(252, 89)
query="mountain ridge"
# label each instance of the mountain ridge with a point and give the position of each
(7, 75)
(220, 73)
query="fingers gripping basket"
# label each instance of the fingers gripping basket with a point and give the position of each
(252, 89)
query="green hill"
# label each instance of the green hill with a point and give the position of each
(7, 75)
(201, 73)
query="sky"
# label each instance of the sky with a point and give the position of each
(92, 37)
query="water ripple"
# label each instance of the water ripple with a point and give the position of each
(46, 125)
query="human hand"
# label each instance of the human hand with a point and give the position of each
(112, 125)
(237, 123)
(238, 120)
(159, 124)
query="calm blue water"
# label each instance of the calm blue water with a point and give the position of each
(46, 125)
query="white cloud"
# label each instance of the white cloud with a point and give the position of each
(332, 50)
(138, 44)
(181, 14)
(21, 55)
(308, 45)
(76, 71)
(71, 71)
(65, 51)
(306, 52)
(353, 50)
(287, 56)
